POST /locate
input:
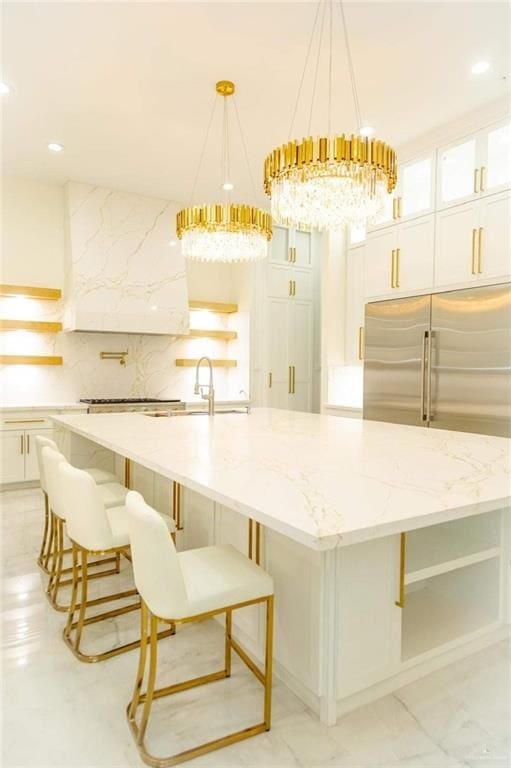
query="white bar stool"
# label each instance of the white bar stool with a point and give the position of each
(183, 587)
(112, 494)
(98, 475)
(94, 529)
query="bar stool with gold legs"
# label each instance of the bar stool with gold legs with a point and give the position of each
(112, 494)
(184, 587)
(100, 476)
(94, 529)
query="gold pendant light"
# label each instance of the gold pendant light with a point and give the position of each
(329, 181)
(224, 232)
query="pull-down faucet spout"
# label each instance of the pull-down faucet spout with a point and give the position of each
(199, 388)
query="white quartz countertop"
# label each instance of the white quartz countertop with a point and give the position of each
(324, 481)
(43, 407)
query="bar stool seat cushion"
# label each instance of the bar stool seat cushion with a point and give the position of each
(101, 476)
(112, 494)
(118, 521)
(220, 576)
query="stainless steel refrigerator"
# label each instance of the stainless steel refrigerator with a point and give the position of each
(442, 360)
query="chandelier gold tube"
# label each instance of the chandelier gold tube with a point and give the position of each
(224, 232)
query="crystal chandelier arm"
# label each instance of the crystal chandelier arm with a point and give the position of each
(351, 68)
(309, 48)
(245, 152)
(203, 150)
(317, 68)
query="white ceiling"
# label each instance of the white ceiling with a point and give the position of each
(128, 87)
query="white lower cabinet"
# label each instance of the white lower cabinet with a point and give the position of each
(19, 458)
(354, 317)
(473, 241)
(289, 327)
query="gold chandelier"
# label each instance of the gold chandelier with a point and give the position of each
(334, 180)
(224, 232)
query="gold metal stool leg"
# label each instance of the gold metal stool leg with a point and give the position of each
(73, 630)
(44, 552)
(146, 699)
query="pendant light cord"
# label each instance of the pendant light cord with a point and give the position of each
(309, 125)
(203, 150)
(245, 151)
(350, 68)
(309, 48)
(330, 60)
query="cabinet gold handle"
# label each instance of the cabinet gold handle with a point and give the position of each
(394, 208)
(398, 254)
(290, 289)
(294, 287)
(480, 251)
(476, 179)
(289, 256)
(289, 388)
(270, 380)
(399, 200)
(28, 443)
(402, 565)
(474, 235)
(392, 268)
(361, 343)
(24, 421)
(294, 255)
(482, 184)
(21, 444)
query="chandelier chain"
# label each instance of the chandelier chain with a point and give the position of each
(351, 69)
(225, 157)
(314, 86)
(304, 70)
(330, 71)
(203, 150)
(245, 151)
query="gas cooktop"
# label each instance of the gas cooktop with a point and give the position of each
(125, 400)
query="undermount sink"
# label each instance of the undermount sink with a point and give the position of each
(168, 414)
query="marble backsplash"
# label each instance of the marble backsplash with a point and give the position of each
(150, 369)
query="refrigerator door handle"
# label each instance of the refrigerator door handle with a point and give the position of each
(423, 372)
(428, 374)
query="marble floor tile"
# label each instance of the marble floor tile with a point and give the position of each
(58, 713)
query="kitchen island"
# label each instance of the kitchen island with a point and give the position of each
(389, 545)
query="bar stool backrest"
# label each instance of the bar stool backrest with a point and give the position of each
(156, 567)
(51, 461)
(87, 521)
(40, 443)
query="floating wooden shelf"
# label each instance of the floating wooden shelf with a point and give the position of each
(185, 362)
(214, 306)
(40, 326)
(30, 360)
(32, 292)
(196, 333)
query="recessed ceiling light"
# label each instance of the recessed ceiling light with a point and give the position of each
(54, 146)
(366, 130)
(4, 88)
(172, 243)
(154, 306)
(227, 185)
(480, 67)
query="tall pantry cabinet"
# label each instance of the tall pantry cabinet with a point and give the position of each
(286, 361)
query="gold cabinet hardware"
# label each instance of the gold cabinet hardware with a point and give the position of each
(476, 179)
(289, 256)
(399, 201)
(290, 289)
(120, 356)
(127, 473)
(21, 444)
(294, 254)
(398, 254)
(393, 207)
(402, 564)
(176, 505)
(480, 251)
(293, 379)
(474, 236)
(24, 421)
(482, 179)
(393, 256)
(28, 443)
(294, 287)
(361, 343)
(289, 387)
(270, 380)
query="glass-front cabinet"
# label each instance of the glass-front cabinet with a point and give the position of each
(414, 193)
(475, 166)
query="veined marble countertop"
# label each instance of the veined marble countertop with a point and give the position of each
(324, 481)
(43, 407)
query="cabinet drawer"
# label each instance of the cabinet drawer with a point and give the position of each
(25, 422)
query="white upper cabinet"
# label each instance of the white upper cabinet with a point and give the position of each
(475, 166)
(302, 254)
(414, 194)
(279, 247)
(495, 171)
(121, 274)
(473, 241)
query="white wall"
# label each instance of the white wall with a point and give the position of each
(33, 254)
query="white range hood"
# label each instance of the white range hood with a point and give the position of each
(121, 275)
